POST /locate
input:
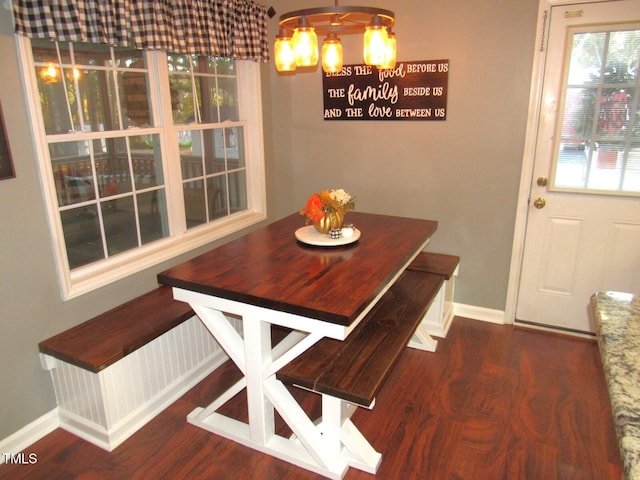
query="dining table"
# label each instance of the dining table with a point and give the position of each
(288, 275)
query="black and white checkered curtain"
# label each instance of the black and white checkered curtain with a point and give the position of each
(224, 28)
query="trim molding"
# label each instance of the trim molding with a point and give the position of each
(479, 313)
(29, 434)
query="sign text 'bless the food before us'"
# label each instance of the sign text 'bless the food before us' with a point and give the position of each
(410, 91)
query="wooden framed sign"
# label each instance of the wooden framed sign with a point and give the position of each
(411, 91)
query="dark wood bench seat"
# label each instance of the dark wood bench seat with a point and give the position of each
(438, 263)
(355, 369)
(103, 340)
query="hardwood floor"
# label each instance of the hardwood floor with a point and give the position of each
(494, 402)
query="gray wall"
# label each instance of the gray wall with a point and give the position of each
(463, 172)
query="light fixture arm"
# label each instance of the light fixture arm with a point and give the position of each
(349, 19)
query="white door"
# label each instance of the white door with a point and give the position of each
(583, 224)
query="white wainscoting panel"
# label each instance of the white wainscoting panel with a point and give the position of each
(106, 408)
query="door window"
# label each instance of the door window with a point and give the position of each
(599, 133)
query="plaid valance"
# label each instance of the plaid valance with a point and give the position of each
(224, 28)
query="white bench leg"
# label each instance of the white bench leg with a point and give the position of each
(421, 340)
(344, 436)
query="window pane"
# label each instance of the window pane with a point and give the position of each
(91, 54)
(203, 64)
(147, 161)
(194, 203)
(227, 98)
(203, 89)
(97, 96)
(208, 99)
(571, 166)
(217, 196)
(129, 58)
(586, 59)
(606, 170)
(82, 235)
(579, 112)
(72, 172)
(44, 51)
(238, 191)
(234, 145)
(214, 150)
(152, 210)
(178, 63)
(613, 114)
(182, 105)
(120, 228)
(53, 101)
(225, 66)
(632, 172)
(191, 162)
(112, 166)
(136, 104)
(622, 56)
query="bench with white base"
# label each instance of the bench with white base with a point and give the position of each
(116, 371)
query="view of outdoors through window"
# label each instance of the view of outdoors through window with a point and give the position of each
(204, 92)
(106, 150)
(600, 138)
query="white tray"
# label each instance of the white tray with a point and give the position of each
(311, 236)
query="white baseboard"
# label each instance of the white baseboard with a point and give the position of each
(29, 434)
(479, 313)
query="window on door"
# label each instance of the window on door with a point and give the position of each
(143, 155)
(599, 133)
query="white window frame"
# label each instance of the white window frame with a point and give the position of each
(79, 281)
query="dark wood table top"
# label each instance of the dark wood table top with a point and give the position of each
(270, 268)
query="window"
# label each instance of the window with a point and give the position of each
(143, 155)
(599, 147)
(212, 159)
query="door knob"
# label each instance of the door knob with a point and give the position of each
(542, 181)
(539, 203)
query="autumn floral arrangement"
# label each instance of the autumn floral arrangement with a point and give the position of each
(326, 210)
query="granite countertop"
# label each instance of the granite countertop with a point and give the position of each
(617, 322)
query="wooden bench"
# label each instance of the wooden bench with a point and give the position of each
(355, 369)
(109, 337)
(440, 315)
(116, 371)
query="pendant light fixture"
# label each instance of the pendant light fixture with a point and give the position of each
(297, 42)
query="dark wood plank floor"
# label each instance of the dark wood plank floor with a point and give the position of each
(494, 402)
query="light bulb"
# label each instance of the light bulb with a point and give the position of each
(285, 58)
(332, 54)
(390, 52)
(375, 42)
(305, 44)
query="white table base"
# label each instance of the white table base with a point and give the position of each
(328, 447)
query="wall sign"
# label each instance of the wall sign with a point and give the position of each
(411, 91)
